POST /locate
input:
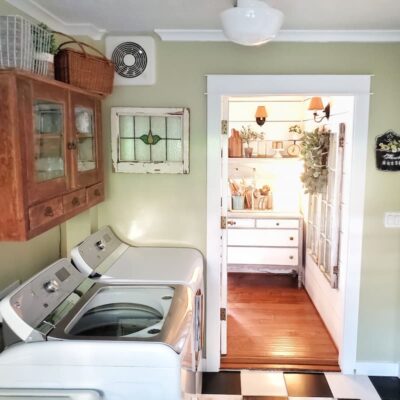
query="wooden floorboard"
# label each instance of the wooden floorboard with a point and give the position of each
(274, 325)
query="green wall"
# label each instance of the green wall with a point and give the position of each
(171, 210)
(162, 209)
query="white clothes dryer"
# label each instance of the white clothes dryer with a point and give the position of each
(122, 340)
(104, 256)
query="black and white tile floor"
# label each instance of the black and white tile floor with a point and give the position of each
(265, 385)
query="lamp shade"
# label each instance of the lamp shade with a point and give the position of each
(316, 104)
(261, 112)
(251, 23)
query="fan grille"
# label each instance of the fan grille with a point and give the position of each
(136, 53)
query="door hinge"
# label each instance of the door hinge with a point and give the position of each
(223, 222)
(222, 313)
(342, 134)
(335, 277)
(224, 127)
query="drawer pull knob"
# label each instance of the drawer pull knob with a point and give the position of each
(291, 238)
(291, 257)
(277, 224)
(71, 146)
(48, 212)
(231, 222)
(76, 202)
(97, 192)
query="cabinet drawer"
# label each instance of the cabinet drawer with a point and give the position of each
(277, 223)
(74, 200)
(260, 255)
(240, 223)
(43, 213)
(263, 237)
(95, 193)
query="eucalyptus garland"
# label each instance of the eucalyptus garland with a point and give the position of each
(314, 152)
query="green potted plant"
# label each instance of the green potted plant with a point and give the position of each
(247, 135)
(44, 46)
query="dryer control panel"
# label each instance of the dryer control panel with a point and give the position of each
(41, 295)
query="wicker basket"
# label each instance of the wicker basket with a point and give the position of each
(84, 70)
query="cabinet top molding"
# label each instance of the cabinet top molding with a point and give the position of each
(53, 82)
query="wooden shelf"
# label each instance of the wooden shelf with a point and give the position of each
(247, 160)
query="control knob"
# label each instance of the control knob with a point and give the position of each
(51, 286)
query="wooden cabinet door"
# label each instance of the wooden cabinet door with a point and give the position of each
(86, 134)
(44, 126)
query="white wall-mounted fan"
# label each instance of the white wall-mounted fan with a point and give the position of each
(134, 59)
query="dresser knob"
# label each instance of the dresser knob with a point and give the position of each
(76, 202)
(48, 212)
(291, 238)
(291, 257)
(97, 192)
(277, 224)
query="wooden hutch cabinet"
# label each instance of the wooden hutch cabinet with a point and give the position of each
(50, 154)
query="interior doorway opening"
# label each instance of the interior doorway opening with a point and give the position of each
(220, 89)
(286, 194)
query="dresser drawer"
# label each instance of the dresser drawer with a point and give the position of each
(95, 193)
(263, 237)
(240, 223)
(277, 223)
(260, 255)
(74, 200)
(46, 212)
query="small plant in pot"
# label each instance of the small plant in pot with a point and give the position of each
(248, 135)
(44, 46)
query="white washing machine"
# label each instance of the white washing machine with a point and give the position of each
(104, 257)
(64, 331)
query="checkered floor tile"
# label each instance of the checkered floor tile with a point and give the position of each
(266, 385)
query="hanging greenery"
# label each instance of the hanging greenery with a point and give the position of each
(314, 152)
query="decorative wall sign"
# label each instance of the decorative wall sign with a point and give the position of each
(387, 151)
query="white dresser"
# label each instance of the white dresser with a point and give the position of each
(265, 242)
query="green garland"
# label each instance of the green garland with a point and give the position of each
(314, 152)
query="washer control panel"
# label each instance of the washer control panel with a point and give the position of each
(41, 295)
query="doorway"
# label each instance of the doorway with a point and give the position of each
(220, 88)
(269, 221)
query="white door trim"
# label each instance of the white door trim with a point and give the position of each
(219, 86)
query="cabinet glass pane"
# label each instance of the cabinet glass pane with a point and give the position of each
(84, 125)
(49, 140)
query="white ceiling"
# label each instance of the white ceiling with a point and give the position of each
(146, 15)
(96, 17)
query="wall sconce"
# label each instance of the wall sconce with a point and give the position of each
(317, 105)
(261, 115)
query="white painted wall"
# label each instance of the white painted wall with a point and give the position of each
(329, 301)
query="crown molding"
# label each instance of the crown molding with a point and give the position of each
(36, 11)
(321, 36)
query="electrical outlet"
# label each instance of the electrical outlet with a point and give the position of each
(392, 219)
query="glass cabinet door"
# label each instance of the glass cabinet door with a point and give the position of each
(84, 126)
(49, 157)
(85, 130)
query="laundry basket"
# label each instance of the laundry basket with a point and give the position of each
(23, 45)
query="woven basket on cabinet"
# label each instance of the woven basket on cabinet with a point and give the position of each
(84, 70)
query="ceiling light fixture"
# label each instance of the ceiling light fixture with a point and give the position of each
(317, 105)
(261, 115)
(251, 23)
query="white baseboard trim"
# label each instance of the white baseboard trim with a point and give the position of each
(377, 369)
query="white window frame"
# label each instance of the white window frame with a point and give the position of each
(158, 167)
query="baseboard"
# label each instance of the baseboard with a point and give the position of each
(377, 369)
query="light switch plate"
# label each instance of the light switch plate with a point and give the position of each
(392, 219)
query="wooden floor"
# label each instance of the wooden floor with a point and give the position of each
(274, 325)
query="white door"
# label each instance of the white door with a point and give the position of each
(224, 231)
